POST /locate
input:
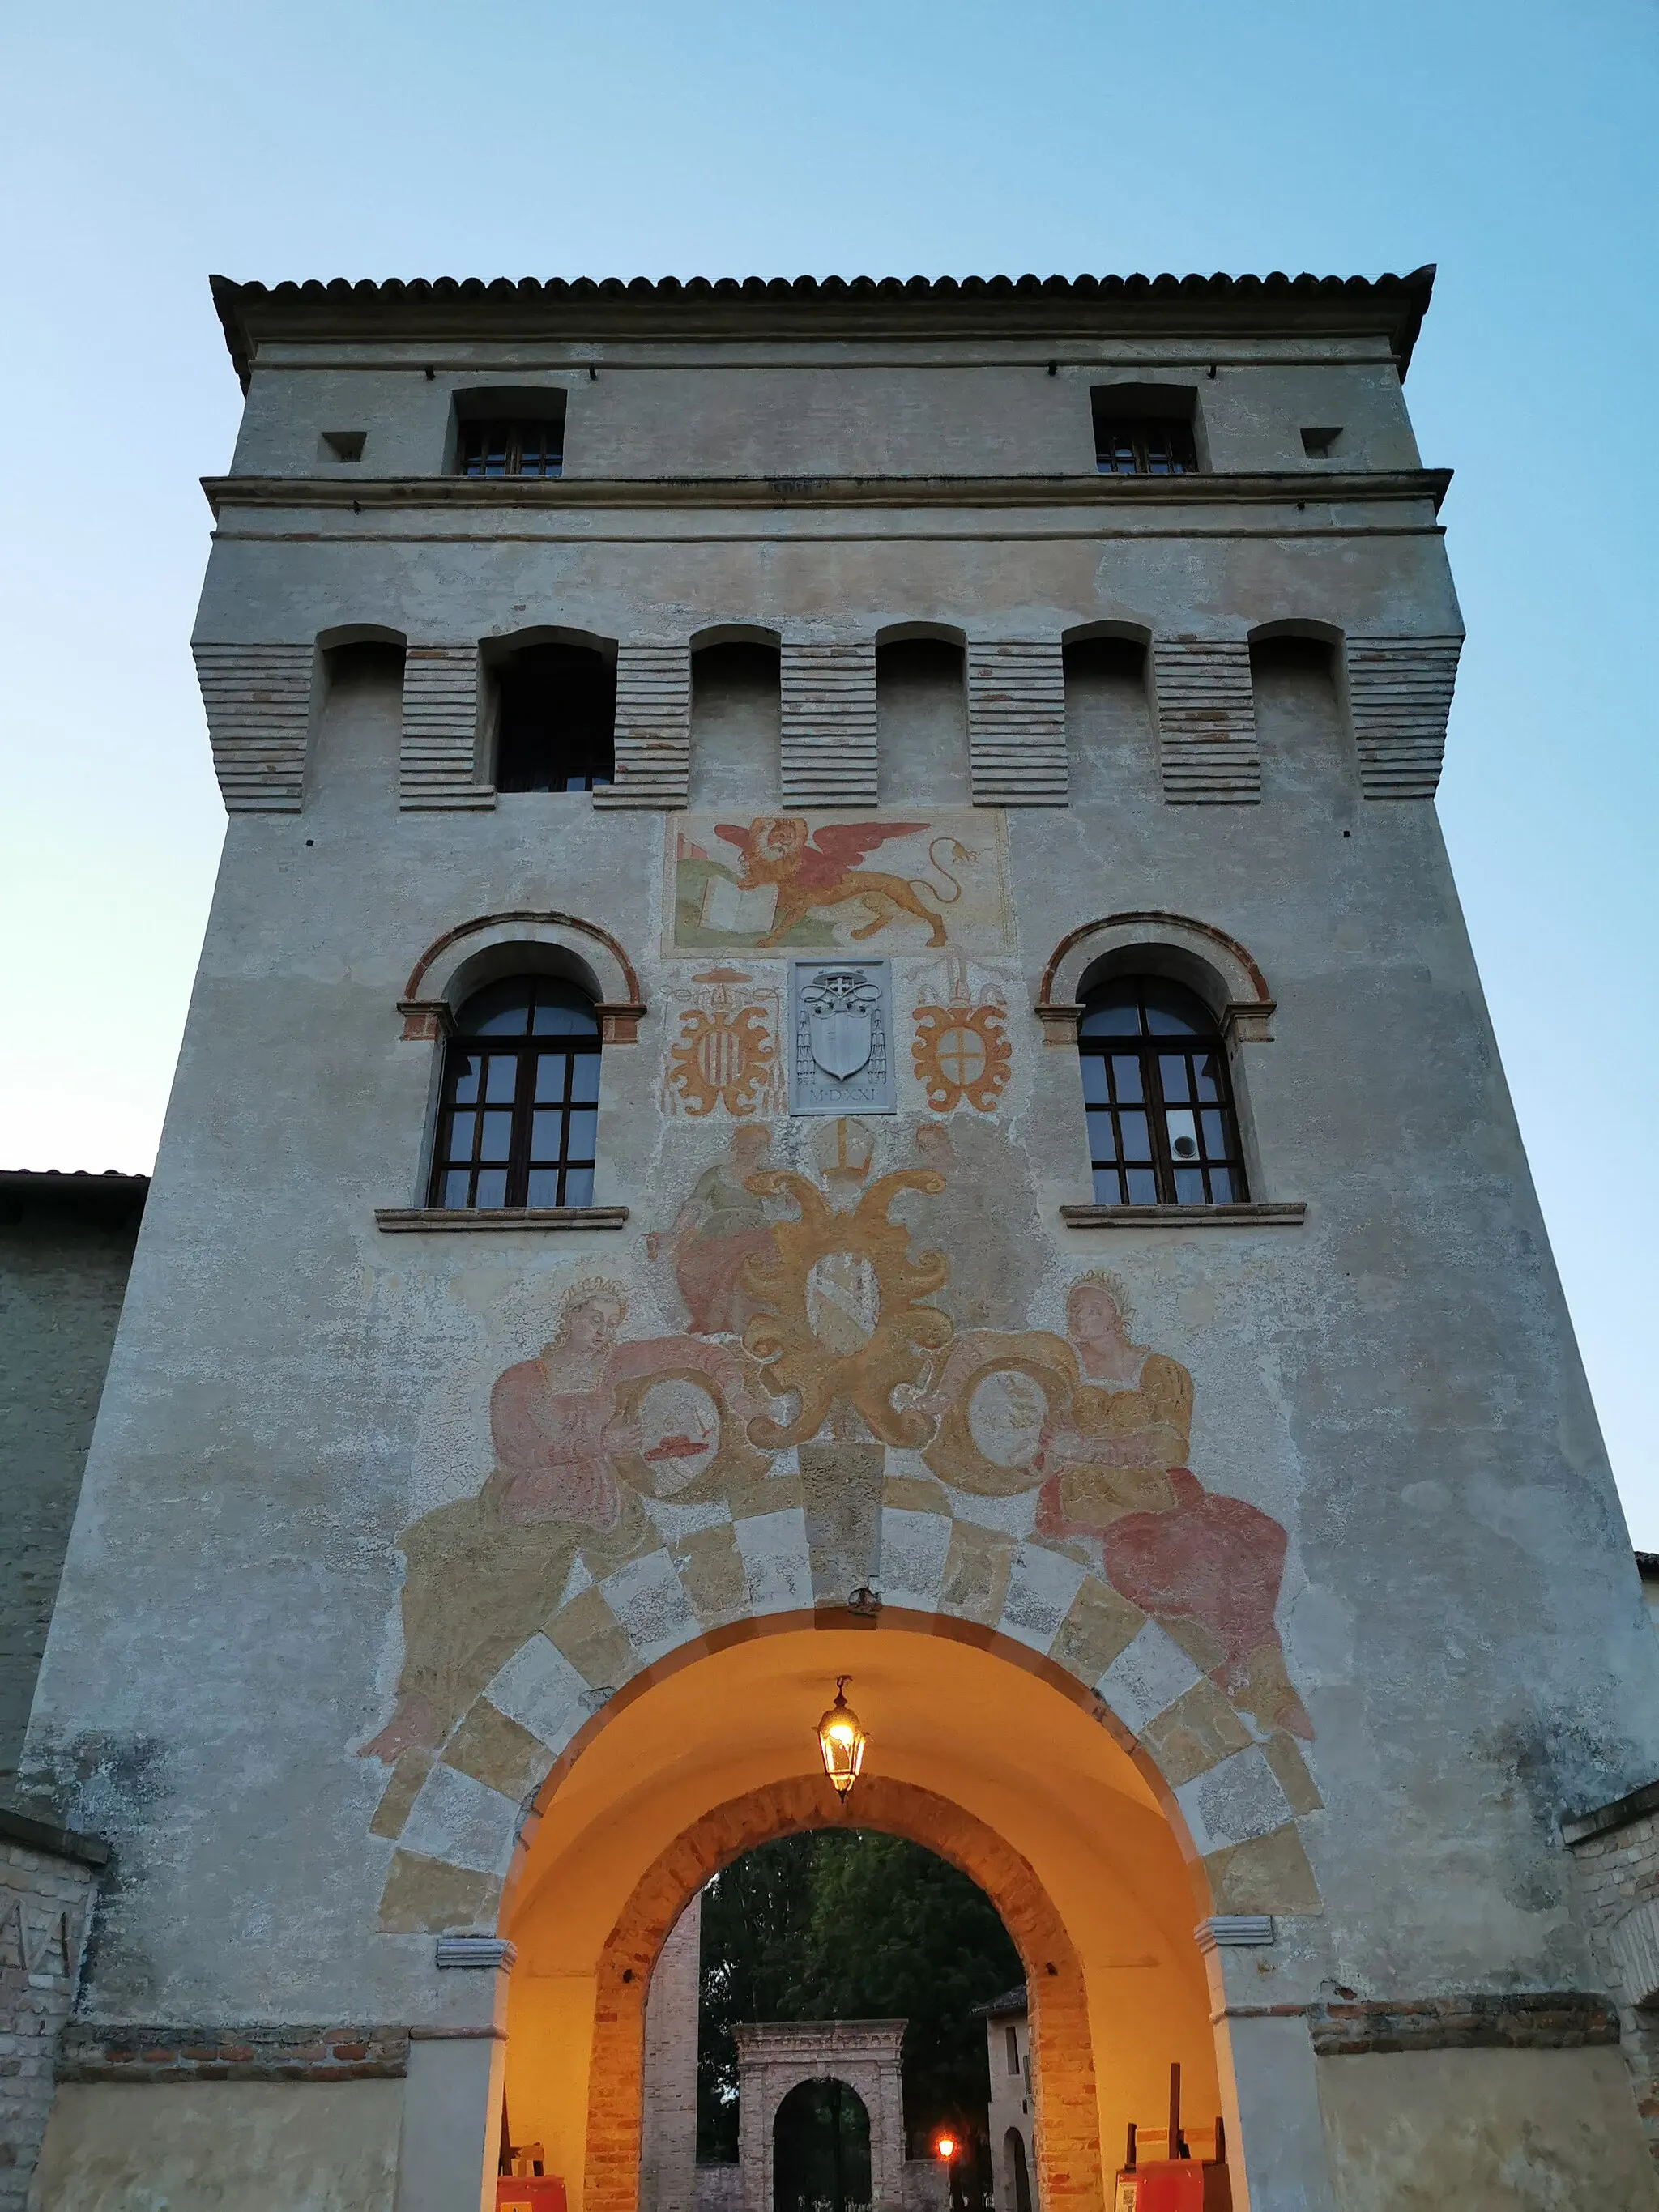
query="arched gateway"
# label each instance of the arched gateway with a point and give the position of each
(997, 1758)
(1179, 1441)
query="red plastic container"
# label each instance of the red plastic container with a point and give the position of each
(543, 2194)
(1164, 2184)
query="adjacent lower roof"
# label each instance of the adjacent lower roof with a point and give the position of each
(111, 1196)
(1010, 2002)
(586, 307)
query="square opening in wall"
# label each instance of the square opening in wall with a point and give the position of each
(1145, 429)
(510, 433)
(1319, 445)
(343, 445)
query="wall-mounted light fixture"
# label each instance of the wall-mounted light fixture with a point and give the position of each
(842, 1741)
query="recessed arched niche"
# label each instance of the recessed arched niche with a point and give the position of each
(735, 719)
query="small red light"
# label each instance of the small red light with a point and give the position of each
(946, 2146)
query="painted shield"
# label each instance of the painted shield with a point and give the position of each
(841, 1041)
(840, 1006)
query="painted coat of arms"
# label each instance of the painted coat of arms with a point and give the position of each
(960, 1050)
(725, 1055)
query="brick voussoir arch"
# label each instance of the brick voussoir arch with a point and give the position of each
(1070, 2172)
(428, 995)
(1218, 966)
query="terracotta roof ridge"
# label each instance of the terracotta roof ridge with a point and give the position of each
(805, 287)
(1408, 293)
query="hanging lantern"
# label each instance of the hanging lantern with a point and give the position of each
(842, 1741)
(945, 2147)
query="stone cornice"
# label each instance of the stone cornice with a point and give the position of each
(588, 309)
(1250, 488)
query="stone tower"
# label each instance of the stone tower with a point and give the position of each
(835, 1040)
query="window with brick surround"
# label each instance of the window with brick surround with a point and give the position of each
(1156, 1091)
(519, 1119)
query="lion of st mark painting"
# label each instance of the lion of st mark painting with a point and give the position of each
(783, 881)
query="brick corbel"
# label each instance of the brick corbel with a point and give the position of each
(1248, 1021)
(425, 1020)
(619, 1021)
(1059, 1023)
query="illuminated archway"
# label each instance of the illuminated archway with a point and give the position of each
(1068, 2138)
(982, 1751)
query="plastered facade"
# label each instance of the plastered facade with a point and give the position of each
(1302, 1505)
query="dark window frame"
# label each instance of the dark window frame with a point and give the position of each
(1144, 449)
(546, 1154)
(1150, 1092)
(566, 740)
(1145, 429)
(500, 447)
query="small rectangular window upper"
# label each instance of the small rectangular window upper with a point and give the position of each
(1145, 429)
(509, 434)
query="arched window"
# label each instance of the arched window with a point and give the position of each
(1162, 1129)
(521, 1097)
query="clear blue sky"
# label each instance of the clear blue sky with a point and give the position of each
(1514, 144)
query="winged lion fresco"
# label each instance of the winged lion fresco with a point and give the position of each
(813, 870)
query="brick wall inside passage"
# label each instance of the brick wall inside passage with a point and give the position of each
(668, 2115)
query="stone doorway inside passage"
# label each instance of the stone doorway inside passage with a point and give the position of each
(822, 2121)
(804, 1942)
(979, 1753)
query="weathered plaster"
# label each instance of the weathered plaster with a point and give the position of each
(310, 2148)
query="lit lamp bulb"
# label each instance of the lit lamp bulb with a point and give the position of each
(843, 1742)
(946, 2148)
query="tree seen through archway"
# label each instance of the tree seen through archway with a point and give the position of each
(852, 1925)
